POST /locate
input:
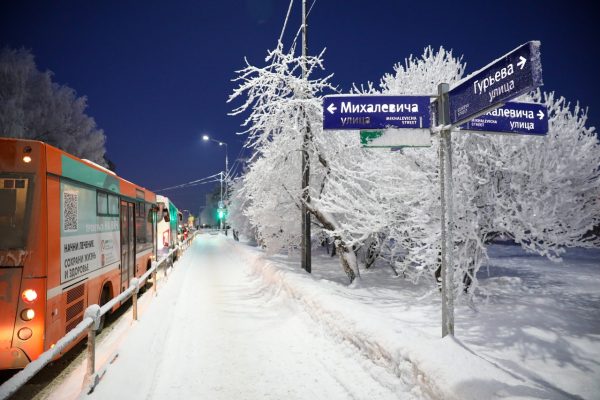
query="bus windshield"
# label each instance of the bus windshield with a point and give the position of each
(15, 210)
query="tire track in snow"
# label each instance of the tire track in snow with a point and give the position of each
(376, 360)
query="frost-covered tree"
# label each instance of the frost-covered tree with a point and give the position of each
(545, 190)
(405, 211)
(279, 100)
(34, 107)
(281, 104)
(542, 191)
(272, 208)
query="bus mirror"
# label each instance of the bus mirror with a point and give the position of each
(166, 215)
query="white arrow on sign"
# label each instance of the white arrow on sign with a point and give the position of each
(522, 61)
(331, 108)
(541, 114)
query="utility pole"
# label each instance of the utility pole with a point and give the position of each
(221, 202)
(226, 172)
(305, 243)
(226, 202)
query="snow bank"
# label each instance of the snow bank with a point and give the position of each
(439, 368)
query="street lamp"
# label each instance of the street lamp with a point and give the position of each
(207, 138)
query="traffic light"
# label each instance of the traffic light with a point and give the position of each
(221, 214)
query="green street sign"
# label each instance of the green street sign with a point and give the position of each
(396, 138)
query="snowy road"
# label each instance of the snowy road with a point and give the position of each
(214, 332)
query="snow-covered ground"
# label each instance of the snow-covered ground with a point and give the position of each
(233, 323)
(533, 331)
(216, 332)
(540, 319)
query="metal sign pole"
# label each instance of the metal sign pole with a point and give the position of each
(447, 272)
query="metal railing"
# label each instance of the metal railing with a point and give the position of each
(91, 323)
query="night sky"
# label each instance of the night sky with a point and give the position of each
(157, 74)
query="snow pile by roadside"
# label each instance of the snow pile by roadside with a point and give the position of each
(440, 368)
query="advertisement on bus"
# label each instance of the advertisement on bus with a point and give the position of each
(89, 231)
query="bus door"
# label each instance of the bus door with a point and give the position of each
(127, 243)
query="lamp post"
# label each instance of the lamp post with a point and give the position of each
(207, 138)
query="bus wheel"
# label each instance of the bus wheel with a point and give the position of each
(105, 298)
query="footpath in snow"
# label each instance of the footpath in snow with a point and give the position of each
(216, 332)
(234, 323)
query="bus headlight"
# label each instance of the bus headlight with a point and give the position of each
(27, 314)
(29, 296)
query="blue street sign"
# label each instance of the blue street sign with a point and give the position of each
(519, 118)
(375, 112)
(512, 75)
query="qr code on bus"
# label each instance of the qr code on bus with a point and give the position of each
(70, 205)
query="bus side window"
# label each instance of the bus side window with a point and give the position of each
(113, 205)
(101, 203)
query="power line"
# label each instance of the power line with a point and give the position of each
(286, 20)
(236, 164)
(195, 182)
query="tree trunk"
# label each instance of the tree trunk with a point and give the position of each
(347, 256)
(372, 253)
(347, 259)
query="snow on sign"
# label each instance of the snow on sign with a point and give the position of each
(511, 75)
(375, 112)
(396, 138)
(518, 118)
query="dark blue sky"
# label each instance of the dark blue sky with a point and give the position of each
(157, 74)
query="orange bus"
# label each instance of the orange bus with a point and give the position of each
(72, 234)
